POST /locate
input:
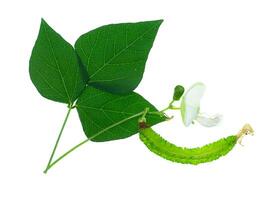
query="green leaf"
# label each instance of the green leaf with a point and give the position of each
(105, 116)
(54, 67)
(115, 55)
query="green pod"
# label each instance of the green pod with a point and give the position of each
(194, 156)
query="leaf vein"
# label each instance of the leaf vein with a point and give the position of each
(53, 53)
(120, 52)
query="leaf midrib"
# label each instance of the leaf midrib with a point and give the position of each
(120, 52)
(53, 53)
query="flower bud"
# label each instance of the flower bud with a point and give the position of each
(178, 92)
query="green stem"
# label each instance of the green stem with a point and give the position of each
(58, 139)
(143, 117)
(175, 108)
(165, 109)
(170, 107)
(51, 164)
(66, 153)
(161, 113)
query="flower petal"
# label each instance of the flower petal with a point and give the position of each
(209, 120)
(191, 102)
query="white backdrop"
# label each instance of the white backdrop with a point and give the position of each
(221, 43)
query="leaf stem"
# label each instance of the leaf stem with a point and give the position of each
(51, 164)
(58, 139)
(66, 153)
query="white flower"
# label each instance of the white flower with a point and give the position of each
(208, 120)
(190, 107)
